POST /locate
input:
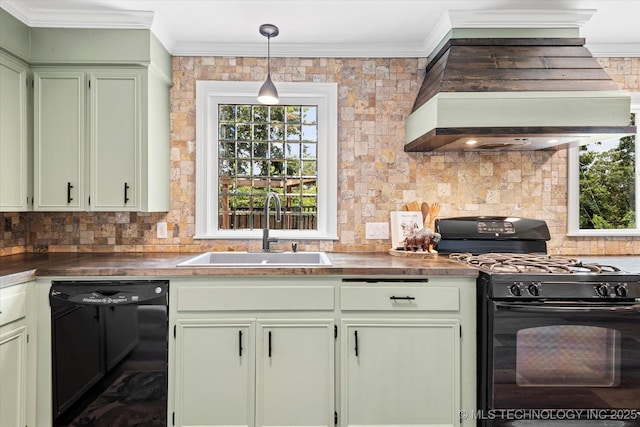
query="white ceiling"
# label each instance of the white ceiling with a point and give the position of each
(377, 28)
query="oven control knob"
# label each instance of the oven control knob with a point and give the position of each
(621, 291)
(602, 290)
(534, 289)
(515, 290)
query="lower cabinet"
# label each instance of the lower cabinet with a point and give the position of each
(322, 351)
(400, 372)
(13, 371)
(254, 372)
(17, 357)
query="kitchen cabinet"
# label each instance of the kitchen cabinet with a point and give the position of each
(401, 372)
(213, 353)
(402, 347)
(294, 369)
(17, 356)
(59, 133)
(309, 351)
(16, 143)
(254, 355)
(114, 140)
(100, 168)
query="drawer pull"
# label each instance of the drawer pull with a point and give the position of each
(407, 298)
(269, 343)
(240, 342)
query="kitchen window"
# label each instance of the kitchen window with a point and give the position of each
(604, 195)
(245, 149)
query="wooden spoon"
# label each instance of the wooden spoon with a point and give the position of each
(424, 207)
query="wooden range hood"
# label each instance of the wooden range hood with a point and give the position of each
(515, 94)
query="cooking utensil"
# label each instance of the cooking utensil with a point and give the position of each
(413, 206)
(424, 207)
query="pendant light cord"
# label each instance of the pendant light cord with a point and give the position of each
(268, 55)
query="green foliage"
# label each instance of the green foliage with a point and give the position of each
(607, 186)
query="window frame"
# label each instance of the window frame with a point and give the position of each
(210, 94)
(573, 196)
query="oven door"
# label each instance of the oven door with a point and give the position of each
(564, 355)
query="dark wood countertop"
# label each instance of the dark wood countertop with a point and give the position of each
(27, 266)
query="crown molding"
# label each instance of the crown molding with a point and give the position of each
(627, 50)
(55, 18)
(343, 50)
(514, 18)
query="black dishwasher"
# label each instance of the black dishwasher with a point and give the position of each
(109, 352)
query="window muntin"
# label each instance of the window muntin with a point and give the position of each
(289, 148)
(603, 185)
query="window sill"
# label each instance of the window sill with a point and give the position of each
(604, 233)
(257, 235)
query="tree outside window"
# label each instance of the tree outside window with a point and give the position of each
(603, 197)
(608, 184)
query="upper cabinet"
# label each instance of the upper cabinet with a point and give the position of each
(59, 140)
(16, 172)
(100, 166)
(97, 135)
(101, 115)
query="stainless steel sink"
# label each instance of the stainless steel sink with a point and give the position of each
(257, 259)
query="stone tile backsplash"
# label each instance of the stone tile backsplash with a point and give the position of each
(375, 175)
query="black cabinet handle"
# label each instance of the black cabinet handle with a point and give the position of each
(126, 196)
(240, 343)
(407, 298)
(355, 334)
(69, 187)
(269, 343)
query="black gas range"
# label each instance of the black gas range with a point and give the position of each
(511, 254)
(535, 277)
(558, 339)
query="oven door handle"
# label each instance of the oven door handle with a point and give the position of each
(633, 308)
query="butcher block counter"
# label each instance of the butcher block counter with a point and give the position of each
(27, 266)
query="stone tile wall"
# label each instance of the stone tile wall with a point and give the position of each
(375, 175)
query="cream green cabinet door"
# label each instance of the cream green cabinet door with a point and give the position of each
(400, 373)
(13, 371)
(215, 373)
(295, 375)
(17, 360)
(59, 140)
(114, 135)
(16, 182)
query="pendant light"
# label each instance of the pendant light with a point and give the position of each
(268, 93)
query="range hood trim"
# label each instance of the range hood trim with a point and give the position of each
(520, 109)
(514, 138)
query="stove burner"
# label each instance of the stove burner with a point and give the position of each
(529, 263)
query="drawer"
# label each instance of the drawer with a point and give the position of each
(399, 298)
(13, 303)
(254, 298)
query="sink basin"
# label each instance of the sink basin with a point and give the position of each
(257, 259)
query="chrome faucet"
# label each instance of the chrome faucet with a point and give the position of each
(266, 240)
